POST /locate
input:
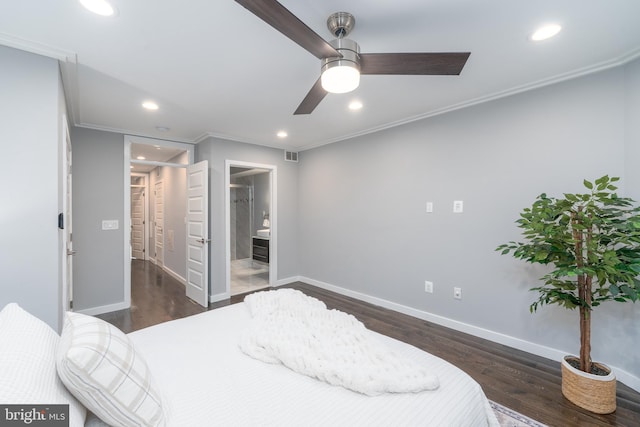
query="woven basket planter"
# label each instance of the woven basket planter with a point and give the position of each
(595, 393)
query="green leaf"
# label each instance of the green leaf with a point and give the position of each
(602, 180)
(541, 255)
(588, 184)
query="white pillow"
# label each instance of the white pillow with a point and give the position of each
(28, 365)
(99, 365)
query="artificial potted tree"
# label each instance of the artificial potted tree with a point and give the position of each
(592, 243)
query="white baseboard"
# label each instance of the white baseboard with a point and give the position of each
(533, 348)
(175, 275)
(286, 281)
(94, 311)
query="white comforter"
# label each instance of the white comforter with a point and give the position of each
(206, 380)
(298, 331)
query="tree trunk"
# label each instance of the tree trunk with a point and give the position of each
(584, 293)
(585, 326)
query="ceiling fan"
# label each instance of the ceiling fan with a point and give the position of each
(342, 62)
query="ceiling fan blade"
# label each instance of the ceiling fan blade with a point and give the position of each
(313, 98)
(445, 63)
(279, 17)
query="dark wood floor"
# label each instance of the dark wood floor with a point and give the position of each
(521, 381)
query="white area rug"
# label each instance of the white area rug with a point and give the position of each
(510, 418)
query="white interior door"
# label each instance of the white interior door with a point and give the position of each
(159, 223)
(198, 232)
(138, 204)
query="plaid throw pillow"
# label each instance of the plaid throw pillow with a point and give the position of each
(100, 367)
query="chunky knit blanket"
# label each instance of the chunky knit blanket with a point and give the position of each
(298, 331)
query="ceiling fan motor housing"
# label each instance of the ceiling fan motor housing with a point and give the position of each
(350, 52)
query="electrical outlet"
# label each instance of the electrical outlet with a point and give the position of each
(457, 293)
(429, 207)
(428, 287)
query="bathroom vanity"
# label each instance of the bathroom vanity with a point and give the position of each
(261, 249)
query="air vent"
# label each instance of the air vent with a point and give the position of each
(291, 156)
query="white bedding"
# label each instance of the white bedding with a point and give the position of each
(206, 380)
(298, 331)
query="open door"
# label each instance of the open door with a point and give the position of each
(66, 224)
(198, 232)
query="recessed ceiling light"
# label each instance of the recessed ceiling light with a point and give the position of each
(99, 7)
(545, 32)
(150, 105)
(282, 134)
(162, 129)
(355, 105)
(141, 158)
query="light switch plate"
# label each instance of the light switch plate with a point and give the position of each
(110, 224)
(457, 206)
(429, 207)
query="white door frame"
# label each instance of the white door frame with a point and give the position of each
(273, 218)
(66, 250)
(126, 228)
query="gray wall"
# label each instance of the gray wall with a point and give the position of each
(98, 194)
(175, 210)
(363, 225)
(241, 217)
(216, 151)
(632, 129)
(31, 107)
(262, 199)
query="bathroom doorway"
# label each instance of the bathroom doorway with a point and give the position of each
(250, 227)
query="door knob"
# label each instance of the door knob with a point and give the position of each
(71, 252)
(203, 240)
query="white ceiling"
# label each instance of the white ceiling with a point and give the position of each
(216, 69)
(145, 151)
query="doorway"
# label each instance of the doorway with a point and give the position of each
(251, 227)
(156, 182)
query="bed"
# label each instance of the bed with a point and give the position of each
(202, 377)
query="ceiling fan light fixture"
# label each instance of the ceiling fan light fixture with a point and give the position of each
(340, 79)
(341, 75)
